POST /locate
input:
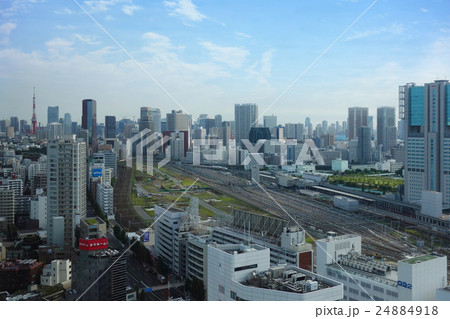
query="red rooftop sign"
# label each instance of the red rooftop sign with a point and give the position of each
(93, 244)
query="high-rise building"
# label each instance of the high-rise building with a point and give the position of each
(218, 120)
(52, 114)
(364, 145)
(89, 121)
(67, 129)
(110, 126)
(146, 121)
(156, 117)
(308, 127)
(325, 126)
(357, 117)
(55, 131)
(14, 122)
(426, 112)
(99, 273)
(385, 119)
(7, 205)
(270, 121)
(177, 120)
(245, 117)
(66, 190)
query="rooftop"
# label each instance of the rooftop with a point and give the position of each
(368, 267)
(288, 279)
(419, 259)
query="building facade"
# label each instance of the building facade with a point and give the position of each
(426, 113)
(243, 272)
(386, 127)
(357, 117)
(66, 188)
(245, 116)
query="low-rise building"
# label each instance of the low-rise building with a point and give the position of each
(365, 278)
(243, 272)
(57, 272)
(19, 274)
(345, 203)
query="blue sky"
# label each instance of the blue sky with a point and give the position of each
(209, 55)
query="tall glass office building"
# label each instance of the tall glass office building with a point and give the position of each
(426, 112)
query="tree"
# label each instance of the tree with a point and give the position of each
(198, 289)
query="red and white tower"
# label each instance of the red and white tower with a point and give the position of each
(33, 119)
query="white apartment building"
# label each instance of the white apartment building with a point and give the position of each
(38, 210)
(241, 272)
(364, 278)
(57, 272)
(105, 198)
(166, 231)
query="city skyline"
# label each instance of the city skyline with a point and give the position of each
(212, 56)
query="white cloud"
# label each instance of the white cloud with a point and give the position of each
(16, 6)
(424, 10)
(65, 27)
(445, 30)
(242, 35)
(104, 5)
(5, 30)
(59, 46)
(262, 69)
(85, 38)
(393, 29)
(130, 9)
(64, 11)
(231, 56)
(185, 9)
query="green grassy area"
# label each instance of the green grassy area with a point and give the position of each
(91, 221)
(204, 212)
(151, 213)
(157, 181)
(377, 183)
(309, 240)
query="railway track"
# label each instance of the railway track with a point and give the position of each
(307, 213)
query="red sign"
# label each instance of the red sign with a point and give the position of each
(93, 244)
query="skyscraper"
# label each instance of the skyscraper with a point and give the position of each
(426, 112)
(357, 117)
(325, 126)
(67, 128)
(308, 127)
(145, 121)
(89, 121)
(14, 122)
(66, 190)
(270, 121)
(110, 126)
(156, 117)
(364, 145)
(245, 116)
(52, 114)
(177, 120)
(385, 119)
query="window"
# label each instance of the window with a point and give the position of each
(353, 291)
(246, 267)
(221, 289)
(233, 295)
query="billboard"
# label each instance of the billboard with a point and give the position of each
(93, 244)
(146, 237)
(97, 172)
